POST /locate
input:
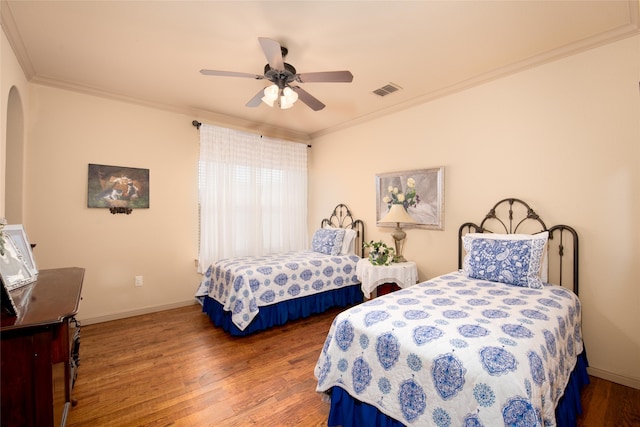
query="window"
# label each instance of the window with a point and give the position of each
(253, 195)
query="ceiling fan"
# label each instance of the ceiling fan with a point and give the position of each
(284, 77)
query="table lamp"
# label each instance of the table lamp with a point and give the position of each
(398, 214)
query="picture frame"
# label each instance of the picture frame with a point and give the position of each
(17, 265)
(421, 192)
(18, 235)
(117, 187)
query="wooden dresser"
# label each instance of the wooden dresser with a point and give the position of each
(39, 352)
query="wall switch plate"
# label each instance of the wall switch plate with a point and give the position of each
(139, 281)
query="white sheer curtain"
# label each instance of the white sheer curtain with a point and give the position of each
(253, 195)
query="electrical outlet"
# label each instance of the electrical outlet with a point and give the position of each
(138, 280)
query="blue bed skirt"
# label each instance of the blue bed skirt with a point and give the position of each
(348, 412)
(281, 313)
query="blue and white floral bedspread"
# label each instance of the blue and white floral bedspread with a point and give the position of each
(454, 351)
(244, 284)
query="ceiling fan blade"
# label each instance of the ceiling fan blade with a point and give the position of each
(256, 100)
(308, 99)
(230, 74)
(273, 52)
(325, 76)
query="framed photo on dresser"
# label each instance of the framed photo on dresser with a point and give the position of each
(17, 265)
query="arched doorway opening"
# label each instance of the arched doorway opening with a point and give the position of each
(14, 158)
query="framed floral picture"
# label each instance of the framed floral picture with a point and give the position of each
(421, 192)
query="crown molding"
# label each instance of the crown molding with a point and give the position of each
(15, 41)
(620, 33)
(194, 113)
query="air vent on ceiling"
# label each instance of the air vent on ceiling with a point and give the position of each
(387, 89)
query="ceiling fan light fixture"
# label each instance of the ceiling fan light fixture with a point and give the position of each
(288, 98)
(270, 95)
(281, 75)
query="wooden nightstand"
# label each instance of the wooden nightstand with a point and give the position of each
(403, 274)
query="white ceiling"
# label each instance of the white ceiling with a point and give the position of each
(151, 51)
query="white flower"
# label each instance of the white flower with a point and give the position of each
(407, 197)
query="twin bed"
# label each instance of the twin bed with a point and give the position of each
(494, 343)
(249, 294)
(488, 345)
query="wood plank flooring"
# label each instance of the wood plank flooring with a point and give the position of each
(173, 368)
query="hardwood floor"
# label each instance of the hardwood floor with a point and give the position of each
(173, 368)
(607, 404)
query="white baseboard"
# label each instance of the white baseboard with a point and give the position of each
(126, 314)
(619, 379)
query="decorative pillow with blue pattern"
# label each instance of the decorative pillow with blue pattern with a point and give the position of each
(348, 242)
(327, 241)
(514, 259)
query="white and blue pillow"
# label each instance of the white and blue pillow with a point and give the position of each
(514, 259)
(348, 242)
(327, 241)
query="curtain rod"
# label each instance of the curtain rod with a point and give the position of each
(197, 124)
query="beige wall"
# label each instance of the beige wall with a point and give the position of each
(66, 132)
(564, 137)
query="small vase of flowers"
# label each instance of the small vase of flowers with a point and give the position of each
(380, 253)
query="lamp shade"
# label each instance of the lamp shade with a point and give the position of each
(398, 214)
(289, 96)
(270, 95)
